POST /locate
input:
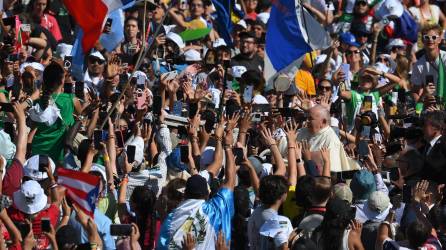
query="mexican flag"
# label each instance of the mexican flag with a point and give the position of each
(441, 88)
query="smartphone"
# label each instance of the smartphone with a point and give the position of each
(402, 95)
(261, 108)
(169, 75)
(256, 117)
(68, 88)
(247, 94)
(46, 225)
(177, 108)
(345, 67)
(286, 112)
(140, 99)
(182, 132)
(209, 117)
(226, 63)
(238, 154)
(97, 139)
(6, 107)
(353, 212)
(429, 79)
(407, 194)
(13, 57)
(193, 109)
(141, 81)
(123, 78)
(67, 61)
(363, 149)
(131, 150)
(156, 107)
(24, 229)
(120, 229)
(184, 153)
(119, 139)
(79, 90)
(231, 109)
(108, 24)
(367, 103)
(394, 174)
(43, 163)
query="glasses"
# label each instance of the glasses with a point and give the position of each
(94, 60)
(430, 38)
(350, 52)
(383, 59)
(325, 88)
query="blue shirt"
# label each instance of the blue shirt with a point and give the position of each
(102, 223)
(219, 210)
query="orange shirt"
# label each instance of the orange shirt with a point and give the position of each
(305, 81)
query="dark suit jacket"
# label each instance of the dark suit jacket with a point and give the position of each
(435, 162)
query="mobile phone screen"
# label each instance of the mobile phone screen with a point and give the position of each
(238, 154)
(193, 108)
(120, 229)
(97, 139)
(367, 103)
(46, 225)
(157, 105)
(131, 149)
(79, 90)
(43, 163)
(247, 94)
(68, 88)
(184, 153)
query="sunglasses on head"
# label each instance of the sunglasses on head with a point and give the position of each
(431, 38)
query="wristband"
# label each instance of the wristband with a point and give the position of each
(218, 138)
(106, 158)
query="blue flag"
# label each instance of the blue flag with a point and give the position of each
(292, 32)
(224, 9)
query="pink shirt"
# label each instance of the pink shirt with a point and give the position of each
(50, 23)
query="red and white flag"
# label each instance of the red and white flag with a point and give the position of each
(82, 188)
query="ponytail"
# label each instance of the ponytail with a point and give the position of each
(53, 77)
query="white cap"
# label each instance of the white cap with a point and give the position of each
(282, 83)
(30, 198)
(219, 42)
(321, 59)
(243, 23)
(394, 43)
(192, 55)
(97, 54)
(34, 65)
(389, 8)
(174, 37)
(264, 16)
(63, 50)
(237, 71)
(140, 73)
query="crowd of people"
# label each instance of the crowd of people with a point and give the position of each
(192, 148)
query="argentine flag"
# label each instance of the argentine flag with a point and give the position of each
(291, 33)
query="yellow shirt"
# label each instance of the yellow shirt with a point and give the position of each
(305, 81)
(197, 23)
(290, 209)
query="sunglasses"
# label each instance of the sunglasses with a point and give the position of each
(326, 88)
(94, 60)
(430, 38)
(383, 59)
(350, 52)
(362, 3)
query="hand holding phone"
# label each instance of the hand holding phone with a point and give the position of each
(239, 155)
(131, 150)
(43, 163)
(184, 153)
(97, 139)
(120, 229)
(46, 225)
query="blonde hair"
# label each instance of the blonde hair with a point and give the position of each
(402, 67)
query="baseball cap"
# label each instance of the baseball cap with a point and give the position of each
(378, 201)
(362, 184)
(97, 54)
(174, 37)
(397, 42)
(349, 39)
(342, 191)
(389, 8)
(192, 55)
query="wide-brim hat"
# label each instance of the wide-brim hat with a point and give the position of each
(30, 198)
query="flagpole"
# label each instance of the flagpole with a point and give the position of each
(138, 63)
(306, 30)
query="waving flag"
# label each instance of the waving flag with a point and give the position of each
(401, 23)
(82, 188)
(111, 41)
(90, 16)
(226, 11)
(287, 39)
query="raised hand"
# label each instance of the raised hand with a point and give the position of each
(267, 136)
(291, 132)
